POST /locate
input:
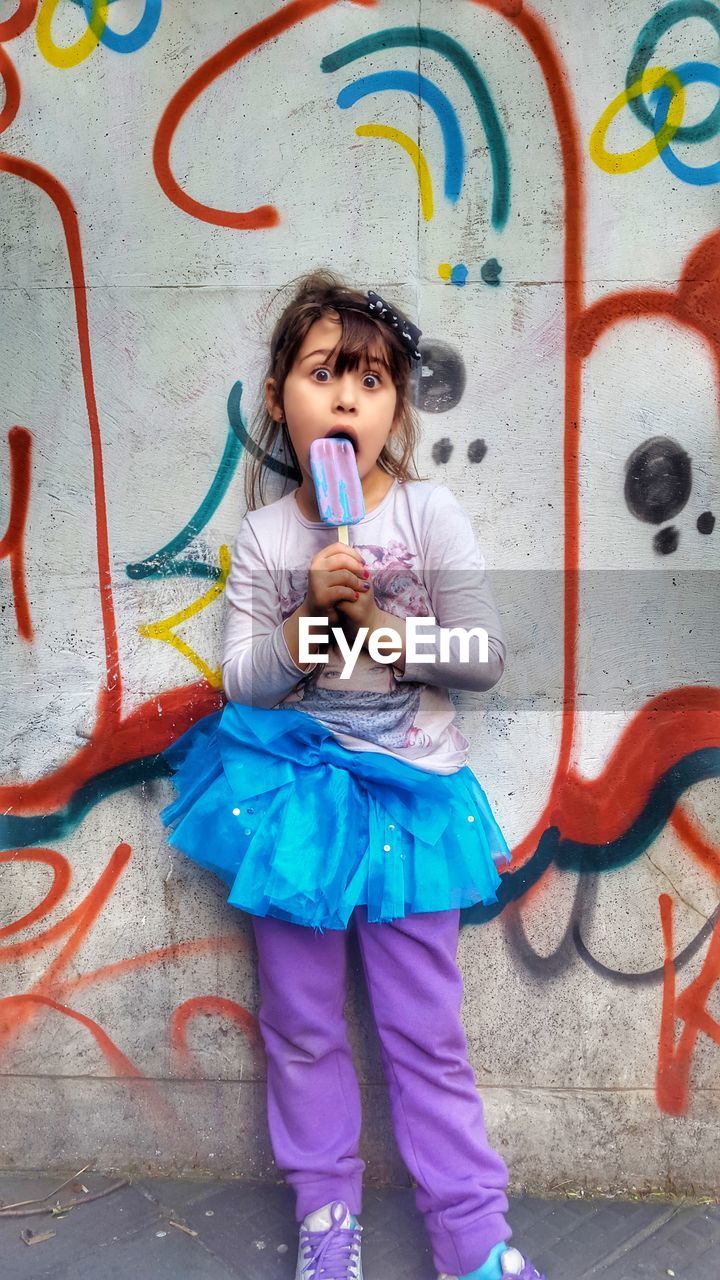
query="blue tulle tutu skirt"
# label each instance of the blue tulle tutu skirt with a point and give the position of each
(301, 828)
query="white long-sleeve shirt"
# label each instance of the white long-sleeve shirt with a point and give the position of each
(424, 561)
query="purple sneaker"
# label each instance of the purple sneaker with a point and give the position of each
(329, 1245)
(513, 1264)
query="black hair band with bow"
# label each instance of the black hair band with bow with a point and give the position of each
(409, 333)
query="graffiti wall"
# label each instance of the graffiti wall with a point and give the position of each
(539, 185)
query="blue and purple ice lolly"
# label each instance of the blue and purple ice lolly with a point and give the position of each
(338, 487)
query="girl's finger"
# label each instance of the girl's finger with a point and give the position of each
(355, 569)
(339, 554)
(351, 580)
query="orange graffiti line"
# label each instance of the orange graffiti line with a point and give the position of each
(149, 729)
(697, 842)
(209, 1005)
(695, 303)
(539, 38)
(269, 28)
(666, 729)
(114, 1055)
(174, 951)
(14, 950)
(61, 880)
(675, 1060)
(12, 545)
(91, 907)
(117, 1059)
(80, 921)
(37, 176)
(11, 83)
(19, 21)
(597, 810)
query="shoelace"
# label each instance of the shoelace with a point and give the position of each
(329, 1255)
(529, 1272)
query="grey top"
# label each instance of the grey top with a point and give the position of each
(424, 561)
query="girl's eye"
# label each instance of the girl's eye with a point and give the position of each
(371, 378)
(317, 375)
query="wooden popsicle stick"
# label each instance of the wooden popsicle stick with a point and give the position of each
(343, 534)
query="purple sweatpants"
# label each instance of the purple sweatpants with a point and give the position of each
(415, 991)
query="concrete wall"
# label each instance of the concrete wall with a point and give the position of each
(152, 197)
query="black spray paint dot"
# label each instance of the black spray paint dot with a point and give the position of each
(476, 450)
(706, 522)
(658, 480)
(441, 450)
(666, 540)
(442, 380)
(490, 271)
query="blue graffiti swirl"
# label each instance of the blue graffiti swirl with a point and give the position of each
(444, 45)
(689, 73)
(129, 41)
(424, 89)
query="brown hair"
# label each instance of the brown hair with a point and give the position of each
(316, 295)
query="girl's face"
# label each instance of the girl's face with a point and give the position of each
(318, 402)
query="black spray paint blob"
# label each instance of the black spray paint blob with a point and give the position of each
(666, 540)
(658, 480)
(441, 451)
(705, 522)
(476, 450)
(442, 380)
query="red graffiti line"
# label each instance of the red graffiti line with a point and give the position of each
(19, 1010)
(116, 1059)
(12, 545)
(149, 729)
(18, 21)
(12, 1009)
(690, 1007)
(35, 174)
(696, 841)
(211, 1006)
(669, 727)
(265, 215)
(52, 990)
(78, 924)
(11, 84)
(161, 955)
(61, 881)
(531, 27)
(695, 303)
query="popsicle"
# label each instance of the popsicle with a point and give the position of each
(338, 488)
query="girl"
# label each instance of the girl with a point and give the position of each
(326, 800)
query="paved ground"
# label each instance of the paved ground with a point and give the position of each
(244, 1230)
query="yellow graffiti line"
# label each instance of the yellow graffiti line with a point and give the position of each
(408, 144)
(163, 630)
(73, 54)
(628, 161)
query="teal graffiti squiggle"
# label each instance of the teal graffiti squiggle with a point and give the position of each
(572, 855)
(439, 42)
(567, 855)
(165, 563)
(645, 45)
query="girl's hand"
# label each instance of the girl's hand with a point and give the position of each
(362, 612)
(335, 576)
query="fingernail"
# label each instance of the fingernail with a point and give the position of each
(357, 595)
(366, 573)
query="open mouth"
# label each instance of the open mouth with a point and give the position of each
(343, 433)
